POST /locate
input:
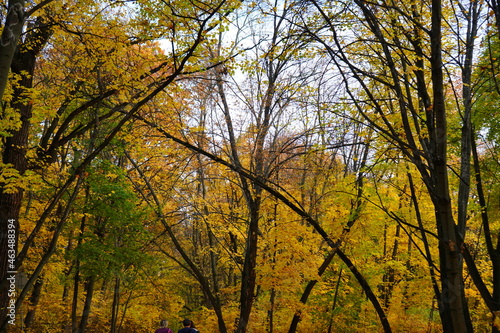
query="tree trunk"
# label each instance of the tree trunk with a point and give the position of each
(270, 312)
(389, 279)
(12, 30)
(249, 274)
(74, 303)
(22, 62)
(452, 303)
(253, 200)
(14, 155)
(34, 298)
(115, 306)
(493, 249)
(89, 293)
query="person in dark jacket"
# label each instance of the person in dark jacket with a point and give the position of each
(187, 327)
(193, 327)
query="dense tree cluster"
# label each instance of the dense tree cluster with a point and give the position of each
(286, 166)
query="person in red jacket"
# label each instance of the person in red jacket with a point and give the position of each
(164, 327)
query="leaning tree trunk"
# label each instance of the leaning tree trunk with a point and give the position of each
(11, 32)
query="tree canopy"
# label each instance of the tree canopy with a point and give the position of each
(270, 166)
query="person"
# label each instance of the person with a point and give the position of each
(164, 327)
(193, 327)
(187, 327)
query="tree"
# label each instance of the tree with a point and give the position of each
(107, 92)
(406, 112)
(290, 161)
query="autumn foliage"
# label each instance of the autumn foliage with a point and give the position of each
(288, 166)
